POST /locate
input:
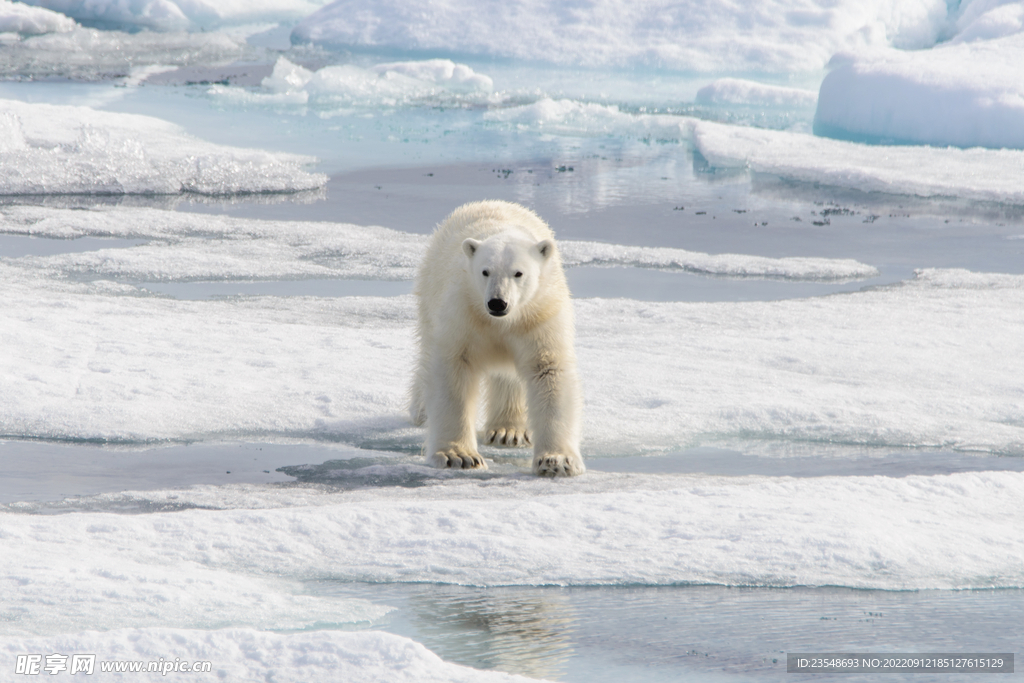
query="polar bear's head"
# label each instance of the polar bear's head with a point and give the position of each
(507, 269)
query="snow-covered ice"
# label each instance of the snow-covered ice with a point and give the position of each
(744, 37)
(54, 149)
(910, 375)
(978, 174)
(269, 250)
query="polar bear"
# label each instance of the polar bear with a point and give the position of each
(494, 304)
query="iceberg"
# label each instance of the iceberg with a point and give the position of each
(693, 36)
(56, 149)
(17, 17)
(964, 94)
(752, 93)
(179, 15)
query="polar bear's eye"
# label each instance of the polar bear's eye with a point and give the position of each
(486, 273)
(519, 274)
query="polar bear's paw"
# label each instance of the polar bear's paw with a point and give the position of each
(508, 437)
(457, 457)
(558, 465)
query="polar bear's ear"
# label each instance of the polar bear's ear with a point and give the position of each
(470, 246)
(546, 248)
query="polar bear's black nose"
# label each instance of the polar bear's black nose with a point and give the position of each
(497, 307)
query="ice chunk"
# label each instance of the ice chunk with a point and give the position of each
(739, 91)
(569, 117)
(248, 655)
(50, 149)
(179, 15)
(978, 174)
(965, 94)
(434, 81)
(89, 54)
(18, 17)
(750, 37)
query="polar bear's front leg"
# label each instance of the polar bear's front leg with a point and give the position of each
(506, 411)
(553, 399)
(451, 415)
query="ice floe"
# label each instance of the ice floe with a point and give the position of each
(750, 37)
(951, 531)
(93, 359)
(249, 655)
(197, 247)
(434, 81)
(56, 149)
(976, 174)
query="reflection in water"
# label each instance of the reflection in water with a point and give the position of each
(595, 634)
(506, 629)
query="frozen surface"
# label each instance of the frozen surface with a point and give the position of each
(965, 94)
(17, 17)
(751, 37)
(249, 655)
(53, 149)
(180, 15)
(978, 174)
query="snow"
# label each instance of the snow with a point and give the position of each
(179, 15)
(978, 174)
(248, 655)
(55, 149)
(17, 17)
(965, 94)
(439, 81)
(693, 36)
(752, 93)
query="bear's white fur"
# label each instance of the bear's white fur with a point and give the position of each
(493, 302)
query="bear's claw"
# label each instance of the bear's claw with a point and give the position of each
(458, 458)
(558, 465)
(508, 436)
